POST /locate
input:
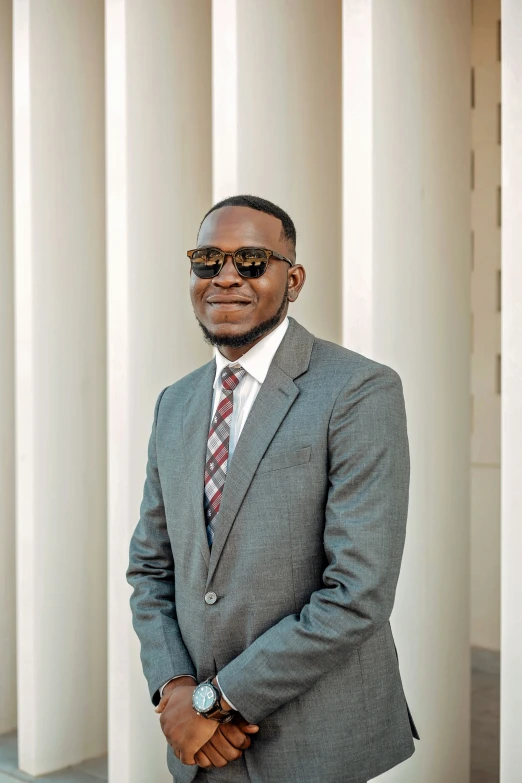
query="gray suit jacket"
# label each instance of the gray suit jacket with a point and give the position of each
(305, 562)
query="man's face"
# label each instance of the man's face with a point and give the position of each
(229, 306)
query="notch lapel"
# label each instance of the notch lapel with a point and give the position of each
(276, 396)
(196, 423)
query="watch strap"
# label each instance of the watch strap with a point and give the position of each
(222, 716)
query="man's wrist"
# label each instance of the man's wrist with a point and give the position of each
(176, 683)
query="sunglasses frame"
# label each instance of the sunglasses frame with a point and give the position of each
(222, 255)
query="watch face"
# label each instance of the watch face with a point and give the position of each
(203, 698)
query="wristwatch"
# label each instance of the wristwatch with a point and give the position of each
(206, 700)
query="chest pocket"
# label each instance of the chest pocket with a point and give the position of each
(287, 459)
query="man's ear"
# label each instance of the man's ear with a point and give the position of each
(298, 275)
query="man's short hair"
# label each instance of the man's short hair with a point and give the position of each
(263, 205)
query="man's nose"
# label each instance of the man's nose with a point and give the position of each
(228, 274)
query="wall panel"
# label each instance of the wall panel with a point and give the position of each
(7, 407)
(406, 302)
(486, 317)
(277, 130)
(60, 390)
(511, 422)
(158, 188)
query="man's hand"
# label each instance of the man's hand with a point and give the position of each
(228, 741)
(226, 744)
(169, 687)
(185, 730)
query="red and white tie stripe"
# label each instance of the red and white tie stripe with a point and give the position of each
(217, 447)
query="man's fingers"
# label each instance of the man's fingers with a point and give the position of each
(250, 728)
(235, 734)
(185, 759)
(202, 759)
(213, 755)
(225, 748)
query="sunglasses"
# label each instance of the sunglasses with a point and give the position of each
(250, 262)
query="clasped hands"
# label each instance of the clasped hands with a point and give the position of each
(195, 739)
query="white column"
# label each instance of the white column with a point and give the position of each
(225, 103)
(511, 456)
(158, 188)
(60, 383)
(277, 130)
(7, 430)
(406, 302)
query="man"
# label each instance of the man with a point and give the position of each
(265, 561)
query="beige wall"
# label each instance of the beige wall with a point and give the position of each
(485, 338)
(7, 406)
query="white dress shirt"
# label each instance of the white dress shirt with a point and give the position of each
(256, 362)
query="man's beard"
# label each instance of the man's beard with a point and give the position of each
(241, 340)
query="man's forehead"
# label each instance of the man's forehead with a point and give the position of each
(239, 223)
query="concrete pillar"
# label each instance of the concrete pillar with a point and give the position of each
(511, 455)
(406, 302)
(7, 429)
(158, 188)
(277, 130)
(60, 382)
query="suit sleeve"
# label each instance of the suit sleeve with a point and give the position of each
(364, 535)
(151, 575)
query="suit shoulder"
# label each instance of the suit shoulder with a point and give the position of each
(345, 364)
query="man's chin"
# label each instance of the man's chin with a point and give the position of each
(238, 335)
(227, 329)
(224, 334)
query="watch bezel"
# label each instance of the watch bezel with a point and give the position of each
(215, 703)
(215, 711)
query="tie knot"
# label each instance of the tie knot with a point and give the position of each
(231, 375)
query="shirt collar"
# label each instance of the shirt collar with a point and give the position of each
(257, 360)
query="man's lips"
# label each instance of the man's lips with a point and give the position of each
(228, 302)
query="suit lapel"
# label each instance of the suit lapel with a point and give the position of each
(196, 422)
(275, 398)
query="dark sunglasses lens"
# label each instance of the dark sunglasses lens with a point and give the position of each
(206, 263)
(251, 262)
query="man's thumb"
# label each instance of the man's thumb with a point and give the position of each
(163, 703)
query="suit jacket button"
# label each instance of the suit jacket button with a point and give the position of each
(210, 598)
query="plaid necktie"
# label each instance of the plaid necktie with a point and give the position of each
(217, 446)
